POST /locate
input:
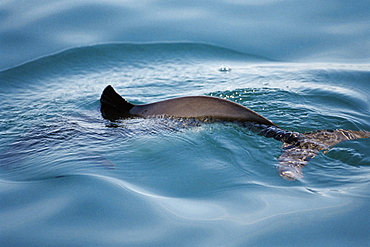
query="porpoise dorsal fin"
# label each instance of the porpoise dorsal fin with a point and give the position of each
(296, 155)
(113, 106)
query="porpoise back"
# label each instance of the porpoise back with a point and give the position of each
(113, 107)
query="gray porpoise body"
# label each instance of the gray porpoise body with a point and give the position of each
(298, 148)
(200, 107)
(114, 107)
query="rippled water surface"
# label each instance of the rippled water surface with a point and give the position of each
(321, 30)
(69, 177)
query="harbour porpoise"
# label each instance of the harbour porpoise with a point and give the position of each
(298, 148)
(113, 107)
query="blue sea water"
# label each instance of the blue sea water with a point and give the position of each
(68, 177)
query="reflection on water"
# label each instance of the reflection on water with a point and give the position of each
(320, 30)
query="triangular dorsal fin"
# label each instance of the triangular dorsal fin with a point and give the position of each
(296, 155)
(113, 106)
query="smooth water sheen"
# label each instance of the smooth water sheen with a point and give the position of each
(70, 178)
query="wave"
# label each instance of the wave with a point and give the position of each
(133, 52)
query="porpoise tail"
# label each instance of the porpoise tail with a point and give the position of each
(296, 155)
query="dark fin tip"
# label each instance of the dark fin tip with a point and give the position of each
(113, 106)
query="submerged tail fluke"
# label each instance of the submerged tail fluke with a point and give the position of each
(297, 154)
(113, 106)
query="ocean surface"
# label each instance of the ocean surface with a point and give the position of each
(69, 177)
